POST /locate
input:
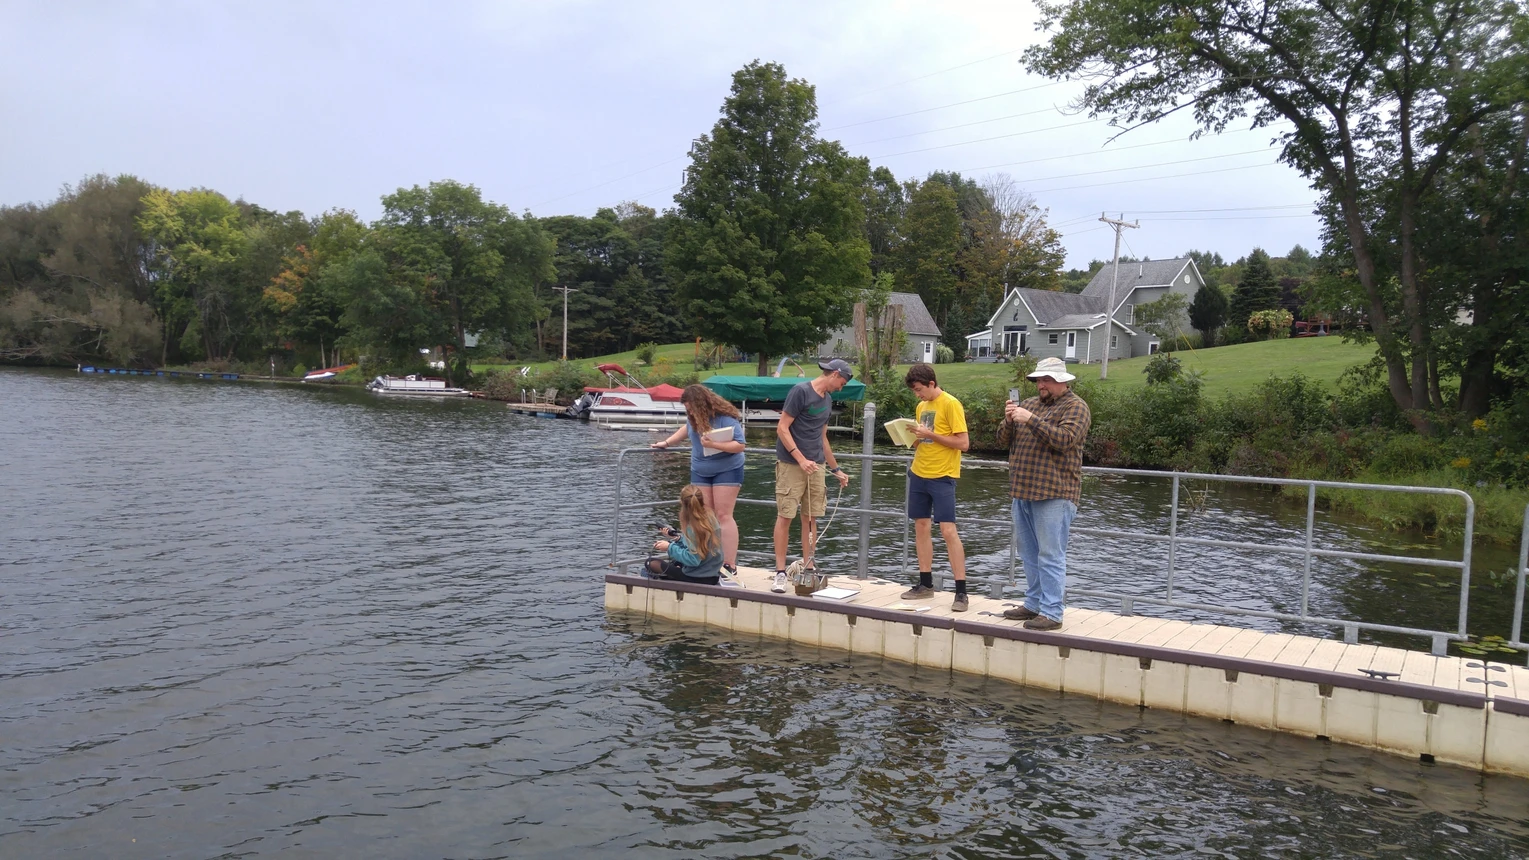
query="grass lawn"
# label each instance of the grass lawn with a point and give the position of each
(1226, 369)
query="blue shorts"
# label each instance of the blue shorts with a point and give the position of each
(931, 498)
(730, 478)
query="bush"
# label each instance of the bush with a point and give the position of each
(300, 371)
(646, 351)
(943, 354)
(1163, 367)
(1270, 325)
(1179, 342)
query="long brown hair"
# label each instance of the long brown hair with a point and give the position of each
(702, 406)
(698, 522)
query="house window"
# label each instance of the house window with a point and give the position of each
(1186, 277)
(1051, 338)
(1114, 341)
(1130, 314)
(1152, 348)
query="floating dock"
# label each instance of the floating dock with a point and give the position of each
(1447, 709)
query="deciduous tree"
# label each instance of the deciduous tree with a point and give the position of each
(768, 251)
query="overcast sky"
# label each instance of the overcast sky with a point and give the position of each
(563, 107)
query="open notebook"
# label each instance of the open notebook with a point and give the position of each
(901, 431)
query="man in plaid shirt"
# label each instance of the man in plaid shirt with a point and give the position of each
(1044, 436)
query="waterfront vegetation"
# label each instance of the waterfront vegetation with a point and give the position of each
(778, 233)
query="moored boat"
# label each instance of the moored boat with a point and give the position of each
(628, 402)
(427, 386)
(326, 374)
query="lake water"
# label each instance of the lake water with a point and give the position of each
(248, 621)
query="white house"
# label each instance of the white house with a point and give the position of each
(1072, 326)
(918, 324)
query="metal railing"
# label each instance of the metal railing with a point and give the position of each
(1516, 640)
(1307, 552)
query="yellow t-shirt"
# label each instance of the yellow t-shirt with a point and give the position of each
(945, 417)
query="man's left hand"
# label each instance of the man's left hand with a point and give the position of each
(843, 478)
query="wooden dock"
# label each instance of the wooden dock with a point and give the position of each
(1458, 710)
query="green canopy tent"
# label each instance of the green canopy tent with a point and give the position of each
(765, 389)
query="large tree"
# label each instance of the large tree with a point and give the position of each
(457, 265)
(1256, 291)
(1380, 96)
(769, 251)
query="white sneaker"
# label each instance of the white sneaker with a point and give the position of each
(780, 582)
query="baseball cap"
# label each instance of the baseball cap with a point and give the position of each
(839, 366)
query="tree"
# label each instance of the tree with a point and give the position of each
(198, 243)
(1164, 318)
(1381, 97)
(1207, 312)
(457, 264)
(931, 246)
(1033, 251)
(769, 252)
(1257, 291)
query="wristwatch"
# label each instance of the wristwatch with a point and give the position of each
(835, 471)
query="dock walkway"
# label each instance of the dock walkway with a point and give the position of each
(1438, 708)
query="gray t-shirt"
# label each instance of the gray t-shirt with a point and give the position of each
(809, 413)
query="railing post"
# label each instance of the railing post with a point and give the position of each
(1465, 560)
(1311, 519)
(1173, 532)
(616, 514)
(868, 448)
(1523, 566)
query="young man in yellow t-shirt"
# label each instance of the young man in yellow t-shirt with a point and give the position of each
(941, 432)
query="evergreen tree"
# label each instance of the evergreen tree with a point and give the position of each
(1256, 291)
(1207, 313)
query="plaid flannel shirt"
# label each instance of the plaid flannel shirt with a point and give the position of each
(1046, 455)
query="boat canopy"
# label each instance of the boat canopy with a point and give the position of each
(766, 388)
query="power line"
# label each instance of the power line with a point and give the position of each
(922, 77)
(1154, 178)
(944, 106)
(603, 184)
(951, 127)
(986, 139)
(1143, 166)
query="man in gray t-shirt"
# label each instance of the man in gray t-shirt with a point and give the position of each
(801, 450)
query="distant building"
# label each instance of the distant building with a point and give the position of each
(1072, 327)
(918, 324)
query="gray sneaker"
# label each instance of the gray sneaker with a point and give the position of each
(780, 583)
(918, 592)
(959, 604)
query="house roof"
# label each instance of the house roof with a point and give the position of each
(916, 317)
(1047, 305)
(1151, 273)
(1085, 321)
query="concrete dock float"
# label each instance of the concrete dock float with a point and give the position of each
(1462, 711)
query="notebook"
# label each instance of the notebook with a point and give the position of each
(835, 593)
(901, 431)
(717, 434)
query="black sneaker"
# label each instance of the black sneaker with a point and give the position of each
(1041, 622)
(918, 592)
(959, 604)
(1020, 613)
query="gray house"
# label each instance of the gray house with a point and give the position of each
(919, 325)
(1072, 326)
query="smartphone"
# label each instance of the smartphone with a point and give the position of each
(1013, 395)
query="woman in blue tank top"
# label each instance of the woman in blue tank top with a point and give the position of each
(715, 429)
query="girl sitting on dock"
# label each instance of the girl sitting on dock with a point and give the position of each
(716, 464)
(695, 553)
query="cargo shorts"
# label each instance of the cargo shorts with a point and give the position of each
(795, 489)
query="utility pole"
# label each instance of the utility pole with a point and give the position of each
(1109, 309)
(565, 291)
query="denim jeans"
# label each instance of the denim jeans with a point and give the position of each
(1041, 528)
